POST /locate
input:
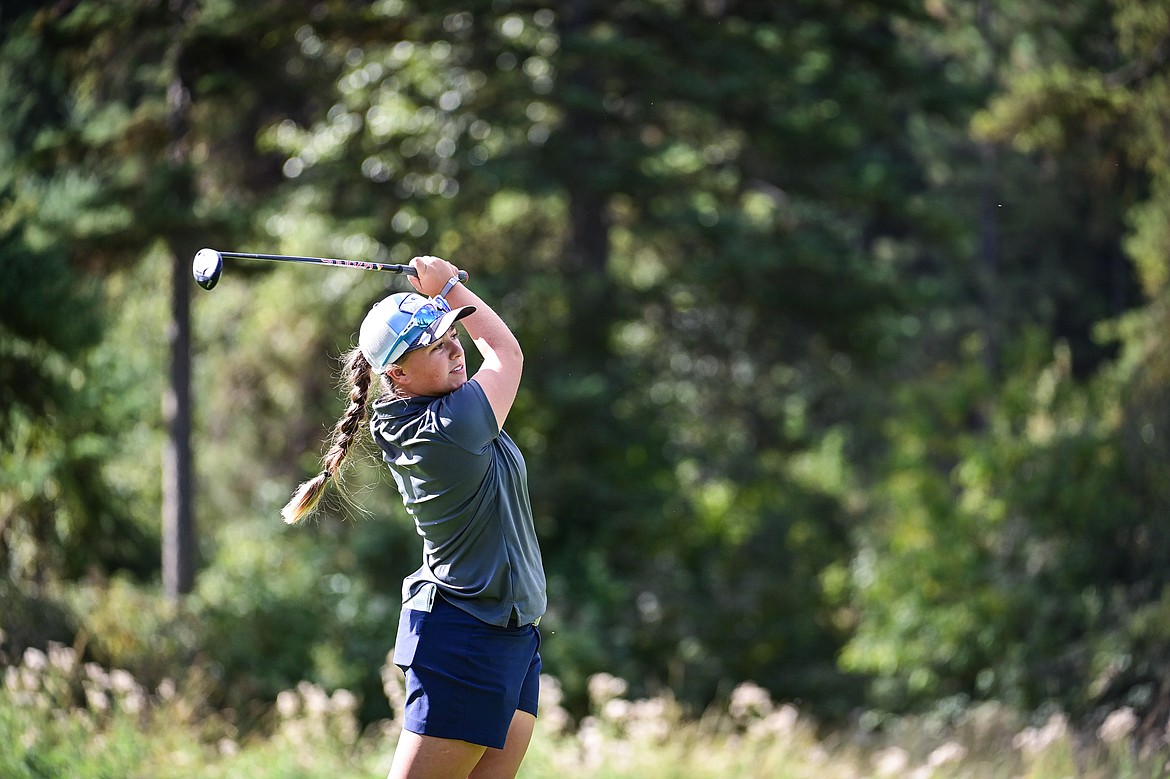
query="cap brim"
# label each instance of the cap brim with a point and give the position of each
(440, 326)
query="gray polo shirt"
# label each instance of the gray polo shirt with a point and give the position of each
(464, 483)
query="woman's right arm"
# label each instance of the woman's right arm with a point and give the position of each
(503, 360)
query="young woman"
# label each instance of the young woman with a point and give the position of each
(467, 638)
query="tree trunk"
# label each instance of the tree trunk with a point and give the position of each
(988, 266)
(178, 553)
(988, 261)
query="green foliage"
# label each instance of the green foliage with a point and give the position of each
(635, 230)
(820, 303)
(272, 616)
(59, 514)
(30, 621)
(263, 618)
(59, 715)
(1023, 561)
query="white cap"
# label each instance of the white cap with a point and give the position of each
(402, 322)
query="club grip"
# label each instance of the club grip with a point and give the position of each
(410, 271)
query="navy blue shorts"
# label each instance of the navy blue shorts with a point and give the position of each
(465, 679)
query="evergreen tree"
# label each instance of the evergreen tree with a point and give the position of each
(683, 209)
(132, 136)
(1016, 549)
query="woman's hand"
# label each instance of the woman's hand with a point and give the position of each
(433, 274)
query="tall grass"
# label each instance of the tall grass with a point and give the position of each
(61, 717)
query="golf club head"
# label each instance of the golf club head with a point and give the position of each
(207, 268)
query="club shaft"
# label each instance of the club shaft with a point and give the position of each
(360, 265)
(356, 264)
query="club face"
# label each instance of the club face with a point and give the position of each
(207, 268)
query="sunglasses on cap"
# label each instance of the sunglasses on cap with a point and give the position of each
(419, 320)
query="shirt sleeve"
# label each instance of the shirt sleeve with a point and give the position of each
(465, 417)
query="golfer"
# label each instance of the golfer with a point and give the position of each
(467, 637)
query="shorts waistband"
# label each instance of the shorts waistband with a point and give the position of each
(424, 600)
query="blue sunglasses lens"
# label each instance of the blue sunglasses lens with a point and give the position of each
(422, 318)
(425, 315)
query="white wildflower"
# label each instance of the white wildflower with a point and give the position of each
(316, 701)
(35, 659)
(96, 698)
(1033, 741)
(780, 722)
(62, 657)
(1117, 725)
(649, 721)
(288, 703)
(97, 675)
(616, 710)
(343, 701)
(604, 687)
(343, 704)
(551, 693)
(749, 701)
(552, 715)
(134, 702)
(29, 680)
(950, 752)
(891, 761)
(592, 741)
(122, 681)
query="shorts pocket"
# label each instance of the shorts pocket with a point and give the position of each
(406, 642)
(415, 610)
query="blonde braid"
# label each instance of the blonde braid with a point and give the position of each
(356, 375)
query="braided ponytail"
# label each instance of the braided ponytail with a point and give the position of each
(356, 374)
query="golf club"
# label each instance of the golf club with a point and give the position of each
(208, 265)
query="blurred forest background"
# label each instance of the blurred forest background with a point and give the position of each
(845, 324)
